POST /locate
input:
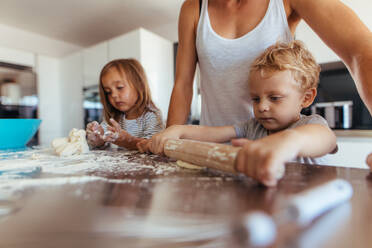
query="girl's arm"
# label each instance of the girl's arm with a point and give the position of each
(264, 158)
(120, 137)
(341, 29)
(202, 133)
(181, 98)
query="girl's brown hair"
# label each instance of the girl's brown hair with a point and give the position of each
(133, 72)
(291, 56)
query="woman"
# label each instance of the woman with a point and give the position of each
(224, 36)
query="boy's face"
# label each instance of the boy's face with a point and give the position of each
(277, 99)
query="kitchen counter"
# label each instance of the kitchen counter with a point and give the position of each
(137, 200)
(354, 133)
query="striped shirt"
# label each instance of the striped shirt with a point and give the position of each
(145, 126)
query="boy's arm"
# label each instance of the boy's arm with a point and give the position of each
(313, 140)
(201, 133)
(264, 159)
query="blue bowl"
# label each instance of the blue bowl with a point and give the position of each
(16, 133)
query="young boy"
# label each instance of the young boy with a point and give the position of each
(282, 81)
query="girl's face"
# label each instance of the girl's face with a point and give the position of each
(121, 94)
(277, 100)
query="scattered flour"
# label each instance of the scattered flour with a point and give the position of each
(98, 165)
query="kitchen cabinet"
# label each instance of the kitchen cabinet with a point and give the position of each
(94, 58)
(352, 152)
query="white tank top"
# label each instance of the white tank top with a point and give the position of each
(224, 64)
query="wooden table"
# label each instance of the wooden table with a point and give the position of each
(183, 209)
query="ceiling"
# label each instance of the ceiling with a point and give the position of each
(87, 22)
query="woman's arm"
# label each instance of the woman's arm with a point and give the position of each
(194, 132)
(179, 107)
(341, 29)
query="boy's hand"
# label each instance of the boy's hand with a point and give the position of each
(94, 134)
(159, 139)
(264, 159)
(144, 146)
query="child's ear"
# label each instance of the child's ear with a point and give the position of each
(309, 97)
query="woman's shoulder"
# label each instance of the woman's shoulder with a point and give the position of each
(190, 5)
(190, 10)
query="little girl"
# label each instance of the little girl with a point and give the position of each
(129, 114)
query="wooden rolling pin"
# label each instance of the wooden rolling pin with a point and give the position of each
(211, 155)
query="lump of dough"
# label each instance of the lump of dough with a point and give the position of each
(74, 144)
(186, 165)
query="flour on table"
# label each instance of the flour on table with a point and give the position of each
(187, 165)
(74, 144)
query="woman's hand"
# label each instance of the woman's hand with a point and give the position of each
(264, 159)
(95, 134)
(369, 161)
(158, 140)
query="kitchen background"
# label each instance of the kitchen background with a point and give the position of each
(51, 53)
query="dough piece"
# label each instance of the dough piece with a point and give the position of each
(186, 165)
(74, 144)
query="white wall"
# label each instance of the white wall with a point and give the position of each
(157, 59)
(322, 53)
(30, 42)
(125, 46)
(18, 57)
(155, 53)
(50, 101)
(71, 80)
(168, 31)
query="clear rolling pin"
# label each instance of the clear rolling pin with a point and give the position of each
(260, 229)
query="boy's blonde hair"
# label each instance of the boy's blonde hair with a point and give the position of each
(291, 56)
(133, 72)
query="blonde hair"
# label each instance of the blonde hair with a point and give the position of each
(134, 73)
(291, 56)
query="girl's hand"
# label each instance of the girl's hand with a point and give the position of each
(94, 134)
(116, 134)
(144, 146)
(264, 159)
(159, 139)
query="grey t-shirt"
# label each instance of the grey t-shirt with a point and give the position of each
(253, 130)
